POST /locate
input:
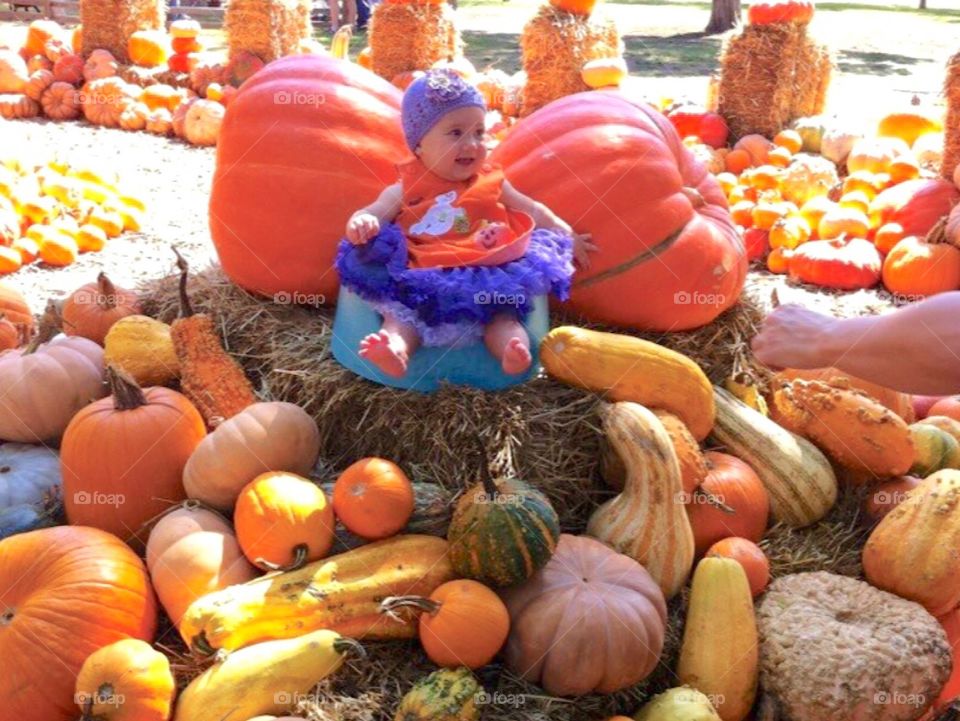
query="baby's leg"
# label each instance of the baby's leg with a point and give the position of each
(508, 342)
(391, 347)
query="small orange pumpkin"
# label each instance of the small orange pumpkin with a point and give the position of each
(147, 48)
(463, 623)
(373, 498)
(749, 555)
(916, 268)
(92, 309)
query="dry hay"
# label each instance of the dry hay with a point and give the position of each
(269, 29)
(411, 36)
(951, 129)
(546, 433)
(770, 75)
(555, 46)
(145, 77)
(825, 77)
(108, 24)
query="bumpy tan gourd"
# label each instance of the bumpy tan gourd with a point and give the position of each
(913, 551)
(719, 651)
(798, 477)
(647, 521)
(897, 402)
(853, 429)
(625, 368)
(342, 593)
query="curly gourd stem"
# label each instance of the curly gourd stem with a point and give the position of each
(299, 560)
(50, 324)
(390, 604)
(186, 310)
(347, 646)
(489, 485)
(127, 395)
(108, 292)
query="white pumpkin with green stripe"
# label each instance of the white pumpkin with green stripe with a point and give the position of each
(935, 449)
(798, 477)
(950, 426)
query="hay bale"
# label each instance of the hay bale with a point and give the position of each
(951, 140)
(555, 45)
(108, 24)
(411, 36)
(770, 75)
(269, 29)
(825, 76)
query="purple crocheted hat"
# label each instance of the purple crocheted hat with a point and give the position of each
(432, 96)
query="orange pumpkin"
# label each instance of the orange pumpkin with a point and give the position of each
(58, 250)
(732, 501)
(182, 62)
(654, 247)
(839, 263)
(875, 154)
(39, 32)
(373, 498)
(917, 268)
(951, 691)
(64, 593)
(749, 555)
(790, 140)
(364, 58)
(463, 623)
(886, 496)
(69, 69)
(916, 205)
(184, 46)
(737, 161)
(93, 308)
(10, 260)
(283, 521)
(283, 202)
(843, 221)
(949, 406)
(577, 7)
(147, 48)
(887, 236)
(756, 146)
(147, 435)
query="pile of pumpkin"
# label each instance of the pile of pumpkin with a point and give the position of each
(503, 580)
(884, 218)
(52, 212)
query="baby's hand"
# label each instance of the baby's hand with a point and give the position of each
(361, 227)
(581, 247)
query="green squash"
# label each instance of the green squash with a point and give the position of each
(502, 532)
(678, 704)
(935, 449)
(445, 695)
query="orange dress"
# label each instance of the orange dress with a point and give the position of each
(450, 224)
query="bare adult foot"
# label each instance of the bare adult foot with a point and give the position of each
(386, 352)
(516, 357)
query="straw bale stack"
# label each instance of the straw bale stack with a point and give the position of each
(412, 36)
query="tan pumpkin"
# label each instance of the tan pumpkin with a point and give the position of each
(202, 122)
(271, 436)
(912, 551)
(134, 117)
(718, 655)
(38, 83)
(647, 521)
(159, 122)
(105, 99)
(875, 154)
(179, 118)
(851, 428)
(100, 64)
(591, 620)
(13, 72)
(15, 106)
(191, 552)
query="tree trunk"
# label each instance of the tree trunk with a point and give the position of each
(725, 14)
(923, 4)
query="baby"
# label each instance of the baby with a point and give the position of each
(453, 253)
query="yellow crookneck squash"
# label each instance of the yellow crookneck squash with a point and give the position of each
(340, 593)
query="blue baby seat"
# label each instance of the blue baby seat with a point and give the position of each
(430, 366)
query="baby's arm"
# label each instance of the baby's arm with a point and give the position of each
(366, 222)
(546, 218)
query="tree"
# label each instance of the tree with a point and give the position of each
(923, 4)
(724, 15)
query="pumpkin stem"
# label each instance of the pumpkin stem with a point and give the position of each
(108, 291)
(50, 324)
(6, 617)
(489, 485)
(201, 647)
(345, 646)
(390, 604)
(938, 233)
(299, 560)
(127, 395)
(186, 310)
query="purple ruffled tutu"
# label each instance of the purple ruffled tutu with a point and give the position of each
(451, 306)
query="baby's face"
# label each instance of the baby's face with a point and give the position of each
(453, 148)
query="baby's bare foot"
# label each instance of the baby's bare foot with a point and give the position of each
(378, 349)
(516, 357)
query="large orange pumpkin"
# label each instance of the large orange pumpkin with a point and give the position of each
(670, 257)
(916, 204)
(64, 593)
(916, 268)
(123, 457)
(290, 174)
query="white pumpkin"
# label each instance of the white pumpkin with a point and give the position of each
(836, 144)
(26, 473)
(929, 150)
(203, 121)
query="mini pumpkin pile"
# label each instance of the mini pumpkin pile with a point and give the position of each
(53, 211)
(877, 223)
